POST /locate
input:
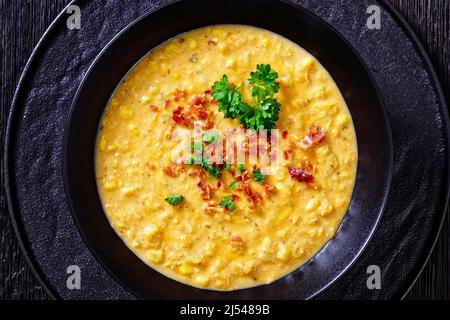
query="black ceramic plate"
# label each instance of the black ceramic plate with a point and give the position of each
(416, 112)
(300, 26)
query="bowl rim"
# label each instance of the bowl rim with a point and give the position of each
(146, 15)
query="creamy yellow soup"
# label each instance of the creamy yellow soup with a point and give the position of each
(276, 225)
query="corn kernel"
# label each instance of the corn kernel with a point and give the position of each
(185, 269)
(134, 130)
(248, 267)
(202, 279)
(125, 112)
(312, 204)
(193, 44)
(219, 32)
(144, 99)
(128, 191)
(155, 256)
(110, 185)
(284, 253)
(150, 230)
(102, 143)
(342, 120)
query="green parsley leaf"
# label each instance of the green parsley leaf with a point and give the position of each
(226, 166)
(240, 168)
(263, 81)
(212, 170)
(228, 98)
(263, 113)
(174, 199)
(258, 176)
(233, 185)
(226, 202)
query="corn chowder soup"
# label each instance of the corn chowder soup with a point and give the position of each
(226, 225)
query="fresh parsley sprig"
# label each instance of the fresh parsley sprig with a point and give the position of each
(258, 176)
(227, 202)
(174, 199)
(263, 113)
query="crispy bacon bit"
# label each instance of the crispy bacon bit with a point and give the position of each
(198, 100)
(210, 208)
(240, 186)
(220, 185)
(307, 165)
(179, 94)
(175, 170)
(252, 197)
(169, 171)
(166, 103)
(208, 91)
(179, 117)
(236, 241)
(206, 190)
(192, 173)
(244, 176)
(268, 188)
(234, 197)
(194, 111)
(153, 108)
(284, 133)
(313, 185)
(301, 175)
(286, 154)
(315, 136)
(200, 112)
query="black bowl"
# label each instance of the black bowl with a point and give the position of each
(292, 22)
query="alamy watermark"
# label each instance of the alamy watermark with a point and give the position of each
(374, 280)
(374, 20)
(74, 20)
(73, 281)
(235, 146)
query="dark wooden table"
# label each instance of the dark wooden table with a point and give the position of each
(22, 23)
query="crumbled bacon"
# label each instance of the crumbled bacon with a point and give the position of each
(208, 91)
(210, 208)
(198, 100)
(315, 136)
(179, 94)
(174, 171)
(234, 197)
(169, 171)
(166, 103)
(153, 108)
(313, 185)
(253, 198)
(195, 110)
(284, 133)
(192, 173)
(286, 154)
(243, 176)
(236, 241)
(220, 185)
(178, 115)
(300, 175)
(206, 190)
(268, 188)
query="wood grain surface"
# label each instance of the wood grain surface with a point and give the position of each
(22, 23)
